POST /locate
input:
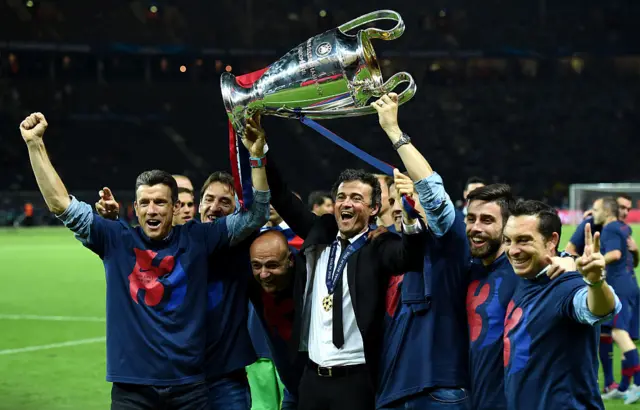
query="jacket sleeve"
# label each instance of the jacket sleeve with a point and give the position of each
(398, 255)
(290, 207)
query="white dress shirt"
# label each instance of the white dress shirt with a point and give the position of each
(321, 348)
(322, 351)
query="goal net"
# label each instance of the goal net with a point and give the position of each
(581, 197)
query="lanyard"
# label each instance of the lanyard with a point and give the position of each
(333, 275)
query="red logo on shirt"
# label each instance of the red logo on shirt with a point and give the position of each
(393, 294)
(511, 320)
(474, 319)
(145, 276)
(278, 315)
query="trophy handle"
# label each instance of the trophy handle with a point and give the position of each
(372, 32)
(387, 87)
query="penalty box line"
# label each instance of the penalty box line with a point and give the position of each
(52, 318)
(52, 346)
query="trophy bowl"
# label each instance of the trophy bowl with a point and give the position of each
(331, 75)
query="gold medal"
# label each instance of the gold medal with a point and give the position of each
(327, 303)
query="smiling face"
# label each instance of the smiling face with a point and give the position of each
(528, 251)
(353, 207)
(218, 200)
(155, 210)
(271, 261)
(395, 204)
(187, 209)
(484, 229)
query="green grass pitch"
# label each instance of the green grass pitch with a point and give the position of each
(46, 274)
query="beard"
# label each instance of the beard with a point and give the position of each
(491, 247)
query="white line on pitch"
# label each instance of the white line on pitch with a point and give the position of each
(52, 346)
(53, 318)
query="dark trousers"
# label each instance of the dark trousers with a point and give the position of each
(351, 391)
(142, 397)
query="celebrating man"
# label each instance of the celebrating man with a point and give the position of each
(550, 335)
(156, 279)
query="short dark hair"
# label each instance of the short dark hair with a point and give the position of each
(610, 204)
(361, 175)
(317, 198)
(219, 176)
(624, 196)
(158, 177)
(474, 180)
(388, 179)
(498, 193)
(549, 221)
(183, 190)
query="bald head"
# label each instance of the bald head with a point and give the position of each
(271, 261)
(183, 182)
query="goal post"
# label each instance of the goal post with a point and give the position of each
(581, 197)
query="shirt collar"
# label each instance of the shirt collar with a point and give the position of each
(353, 239)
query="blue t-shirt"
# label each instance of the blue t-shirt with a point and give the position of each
(488, 295)
(157, 290)
(550, 358)
(614, 237)
(577, 238)
(156, 293)
(229, 346)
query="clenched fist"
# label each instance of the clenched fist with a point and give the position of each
(33, 127)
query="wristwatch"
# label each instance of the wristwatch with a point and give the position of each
(404, 139)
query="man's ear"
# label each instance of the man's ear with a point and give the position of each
(375, 210)
(292, 261)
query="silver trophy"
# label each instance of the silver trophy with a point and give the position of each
(331, 75)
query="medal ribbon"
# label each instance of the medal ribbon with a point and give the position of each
(334, 274)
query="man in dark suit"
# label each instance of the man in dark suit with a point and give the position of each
(338, 323)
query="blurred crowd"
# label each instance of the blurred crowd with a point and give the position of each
(541, 25)
(537, 121)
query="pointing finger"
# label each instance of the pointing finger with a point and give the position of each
(107, 193)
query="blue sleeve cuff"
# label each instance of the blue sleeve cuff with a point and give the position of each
(582, 312)
(78, 218)
(243, 223)
(439, 208)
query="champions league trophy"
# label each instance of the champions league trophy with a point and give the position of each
(331, 75)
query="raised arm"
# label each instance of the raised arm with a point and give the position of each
(53, 190)
(439, 209)
(292, 210)
(600, 299)
(242, 224)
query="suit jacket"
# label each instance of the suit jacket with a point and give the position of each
(367, 272)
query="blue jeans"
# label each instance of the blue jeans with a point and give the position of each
(438, 399)
(229, 393)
